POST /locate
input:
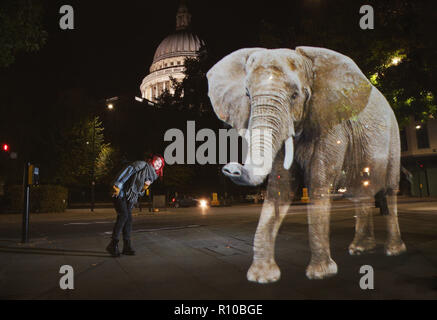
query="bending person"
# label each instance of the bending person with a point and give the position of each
(129, 184)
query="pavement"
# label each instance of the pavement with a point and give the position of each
(195, 254)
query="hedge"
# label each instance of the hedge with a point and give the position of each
(43, 198)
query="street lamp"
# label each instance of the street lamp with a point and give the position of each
(93, 184)
(144, 100)
(396, 60)
(110, 106)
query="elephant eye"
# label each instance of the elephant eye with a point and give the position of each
(295, 95)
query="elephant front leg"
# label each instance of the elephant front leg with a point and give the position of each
(364, 239)
(264, 268)
(321, 265)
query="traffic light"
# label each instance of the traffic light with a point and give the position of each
(5, 147)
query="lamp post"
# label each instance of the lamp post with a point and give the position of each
(93, 183)
(110, 107)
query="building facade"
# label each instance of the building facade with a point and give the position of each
(419, 156)
(169, 59)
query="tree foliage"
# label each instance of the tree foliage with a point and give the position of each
(21, 28)
(192, 92)
(77, 151)
(178, 176)
(82, 151)
(403, 29)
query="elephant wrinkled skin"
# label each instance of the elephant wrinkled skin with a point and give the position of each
(323, 115)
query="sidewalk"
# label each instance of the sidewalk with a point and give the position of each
(404, 204)
(183, 254)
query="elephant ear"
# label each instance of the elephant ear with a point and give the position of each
(227, 88)
(340, 91)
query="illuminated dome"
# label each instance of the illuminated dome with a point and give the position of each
(169, 58)
(180, 43)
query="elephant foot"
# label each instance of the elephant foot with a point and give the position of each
(321, 270)
(358, 247)
(395, 248)
(264, 272)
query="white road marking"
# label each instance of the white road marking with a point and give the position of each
(86, 223)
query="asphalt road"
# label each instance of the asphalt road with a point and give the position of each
(193, 254)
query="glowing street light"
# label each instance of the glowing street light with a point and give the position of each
(396, 60)
(110, 106)
(203, 204)
(418, 127)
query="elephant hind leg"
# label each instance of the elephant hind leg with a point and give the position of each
(364, 240)
(394, 244)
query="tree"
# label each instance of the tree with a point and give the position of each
(107, 162)
(192, 92)
(397, 56)
(80, 146)
(195, 83)
(178, 176)
(21, 29)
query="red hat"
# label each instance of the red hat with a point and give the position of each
(152, 160)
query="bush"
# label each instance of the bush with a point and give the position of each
(44, 198)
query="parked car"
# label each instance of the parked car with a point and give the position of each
(254, 198)
(187, 201)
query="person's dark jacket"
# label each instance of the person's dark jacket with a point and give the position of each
(131, 180)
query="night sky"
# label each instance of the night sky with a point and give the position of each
(112, 46)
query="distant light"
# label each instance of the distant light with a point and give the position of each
(342, 190)
(112, 99)
(418, 127)
(366, 169)
(396, 60)
(366, 183)
(203, 204)
(338, 142)
(110, 106)
(139, 99)
(87, 142)
(5, 147)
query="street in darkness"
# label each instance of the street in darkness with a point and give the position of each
(189, 253)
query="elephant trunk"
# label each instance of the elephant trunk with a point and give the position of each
(268, 128)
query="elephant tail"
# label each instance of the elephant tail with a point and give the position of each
(381, 202)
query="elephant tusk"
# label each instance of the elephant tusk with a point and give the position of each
(289, 153)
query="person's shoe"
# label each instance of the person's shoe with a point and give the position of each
(112, 248)
(127, 249)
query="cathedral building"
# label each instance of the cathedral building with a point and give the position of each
(169, 58)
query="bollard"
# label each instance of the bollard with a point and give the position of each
(305, 198)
